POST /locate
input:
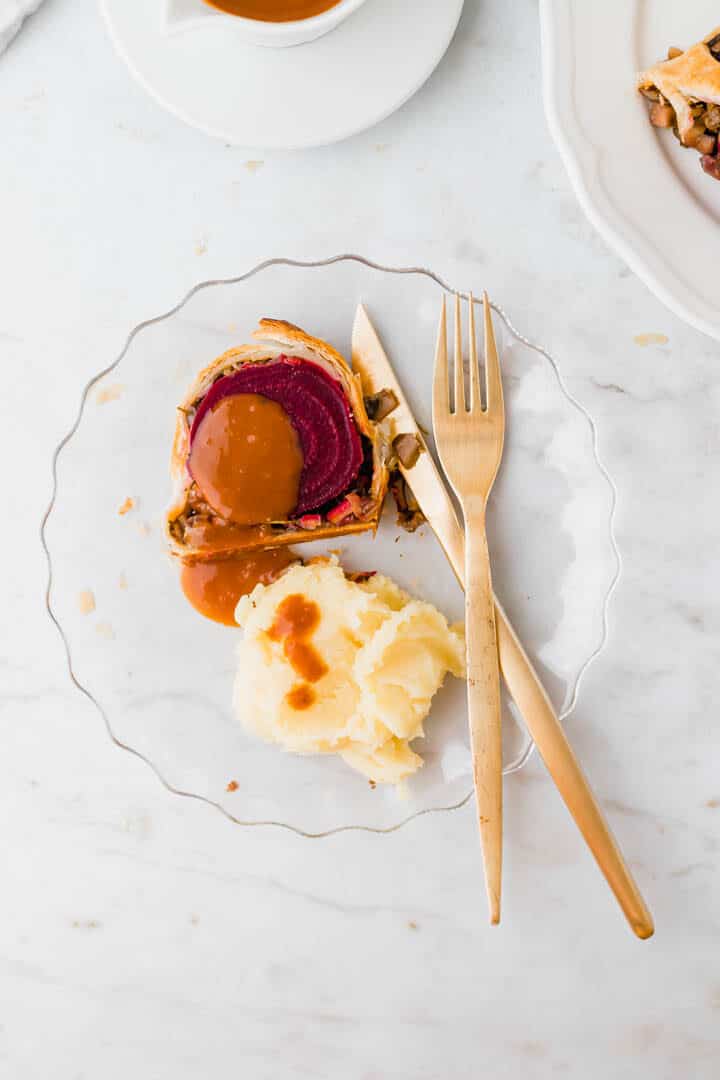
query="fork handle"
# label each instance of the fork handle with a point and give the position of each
(483, 695)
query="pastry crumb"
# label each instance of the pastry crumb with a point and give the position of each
(122, 582)
(86, 601)
(201, 246)
(412, 925)
(372, 784)
(125, 506)
(104, 629)
(109, 393)
(232, 786)
(643, 340)
(713, 804)
(254, 166)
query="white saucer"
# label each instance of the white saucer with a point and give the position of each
(310, 95)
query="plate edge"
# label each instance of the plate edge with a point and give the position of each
(557, 89)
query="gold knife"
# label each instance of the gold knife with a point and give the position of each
(428, 486)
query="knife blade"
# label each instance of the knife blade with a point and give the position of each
(370, 362)
(372, 365)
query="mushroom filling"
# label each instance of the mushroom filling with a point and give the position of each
(704, 133)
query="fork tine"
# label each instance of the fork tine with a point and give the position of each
(475, 395)
(441, 385)
(493, 378)
(459, 369)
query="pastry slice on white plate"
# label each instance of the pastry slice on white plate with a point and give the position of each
(685, 94)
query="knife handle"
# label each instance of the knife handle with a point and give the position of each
(570, 780)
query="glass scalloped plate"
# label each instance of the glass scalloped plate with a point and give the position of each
(161, 675)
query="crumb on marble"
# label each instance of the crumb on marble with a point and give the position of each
(105, 630)
(372, 784)
(232, 786)
(194, 919)
(126, 506)
(122, 581)
(86, 924)
(713, 804)
(108, 393)
(412, 925)
(533, 1048)
(86, 601)
(33, 98)
(201, 246)
(643, 340)
(254, 166)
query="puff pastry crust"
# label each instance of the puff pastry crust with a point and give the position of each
(693, 76)
(685, 95)
(194, 530)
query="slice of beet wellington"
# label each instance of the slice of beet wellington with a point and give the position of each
(319, 412)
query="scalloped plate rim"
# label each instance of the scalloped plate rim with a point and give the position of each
(573, 689)
(578, 154)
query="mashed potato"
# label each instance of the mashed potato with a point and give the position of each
(384, 656)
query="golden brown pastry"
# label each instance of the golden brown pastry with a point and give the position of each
(273, 446)
(685, 95)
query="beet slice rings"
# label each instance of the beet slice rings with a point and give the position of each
(320, 414)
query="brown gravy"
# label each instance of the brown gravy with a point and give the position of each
(246, 459)
(223, 538)
(296, 620)
(274, 10)
(214, 586)
(302, 696)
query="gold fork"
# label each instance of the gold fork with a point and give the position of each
(469, 440)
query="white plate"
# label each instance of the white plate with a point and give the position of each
(161, 675)
(310, 95)
(645, 194)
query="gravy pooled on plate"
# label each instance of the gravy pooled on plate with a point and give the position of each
(274, 10)
(214, 586)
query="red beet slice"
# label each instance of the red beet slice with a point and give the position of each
(319, 412)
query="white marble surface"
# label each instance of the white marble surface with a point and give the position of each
(140, 935)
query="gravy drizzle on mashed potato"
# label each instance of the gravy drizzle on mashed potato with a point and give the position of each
(379, 657)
